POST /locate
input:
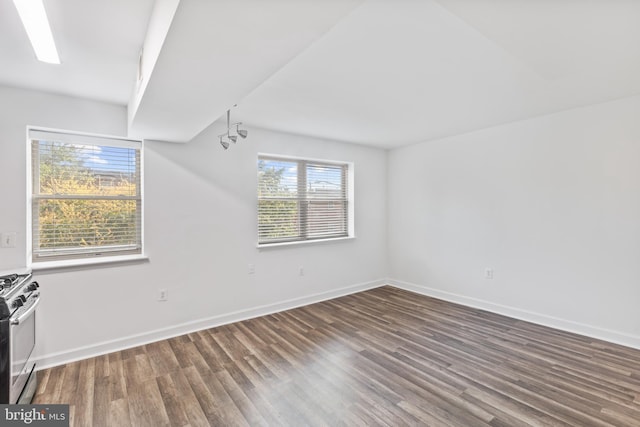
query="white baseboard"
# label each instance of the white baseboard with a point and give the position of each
(98, 349)
(516, 313)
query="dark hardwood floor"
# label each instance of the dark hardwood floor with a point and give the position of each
(380, 357)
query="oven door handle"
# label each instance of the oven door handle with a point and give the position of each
(17, 320)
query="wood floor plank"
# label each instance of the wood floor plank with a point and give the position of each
(261, 400)
(207, 401)
(137, 370)
(119, 414)
(383, 357)
(225, 406)
(101, 401)
(85, 403)
(70, 382)
(178, 347)
(117, 381)
(146, 407)
(240, 400)
(188, 400)
(162, 358)
(174, 407)
(102, 366)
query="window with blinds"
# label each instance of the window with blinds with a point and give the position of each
(87, 196)
(300, 200)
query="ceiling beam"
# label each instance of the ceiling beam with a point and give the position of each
(213, 54)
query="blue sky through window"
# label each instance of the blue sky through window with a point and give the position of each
(317, 176)
(95, 157)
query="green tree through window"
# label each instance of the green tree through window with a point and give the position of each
(278, 209)
(86, 200)
(301, 199)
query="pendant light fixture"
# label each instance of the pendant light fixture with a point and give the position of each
(232, 137)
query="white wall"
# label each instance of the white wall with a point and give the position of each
(18, 109)
(200, 213)
(552, 204)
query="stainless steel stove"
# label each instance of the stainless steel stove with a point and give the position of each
(19, 297)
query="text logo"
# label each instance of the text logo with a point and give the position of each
(34, 415)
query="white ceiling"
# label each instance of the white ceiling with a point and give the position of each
(385, 73)
(98, 42)
(399, 72)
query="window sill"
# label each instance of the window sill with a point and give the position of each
(70, 264)
(303, 242)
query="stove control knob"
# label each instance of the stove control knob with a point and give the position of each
(23, 298)
(17, 303)
(33, 286)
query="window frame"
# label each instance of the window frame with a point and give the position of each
(302, 162)
(72, 256)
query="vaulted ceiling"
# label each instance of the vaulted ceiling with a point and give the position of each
(384, 73)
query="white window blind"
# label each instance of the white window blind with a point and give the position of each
(301, 199)
(86, 198)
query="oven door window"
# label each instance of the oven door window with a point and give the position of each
(23, 339)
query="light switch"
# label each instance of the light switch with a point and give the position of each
(8, 240)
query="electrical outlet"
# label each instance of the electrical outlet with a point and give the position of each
(8, 240)
(301, 271)
(488, 273)
(163, 295)
(252, 269)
